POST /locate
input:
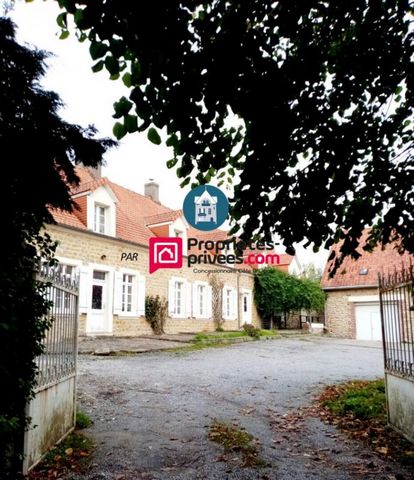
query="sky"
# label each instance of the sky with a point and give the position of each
(89, 98)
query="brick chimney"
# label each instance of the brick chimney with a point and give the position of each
(96, 172)
(151, 190)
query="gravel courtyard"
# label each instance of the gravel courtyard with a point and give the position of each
(152, 411)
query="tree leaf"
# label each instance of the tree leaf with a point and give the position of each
(131, 123)
(62, 20)
(97, 50)
(119, 130)
(172, 163)
(64, 35)
(153, 136)
(122, 107)
(98, 66)
(112, 65)
(135, 72)
(127, 79)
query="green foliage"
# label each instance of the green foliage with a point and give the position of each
(153, 136)
(204, 336)
(323, 94)
(276, 292)
(43, 148)
(366, 400)
(156, 309)
(82, 420)
(251, 330)
(236, 441)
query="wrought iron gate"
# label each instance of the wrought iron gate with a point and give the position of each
(397, 320)
(52, 410)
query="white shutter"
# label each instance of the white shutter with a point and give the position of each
(84, 289)
(171, 292)
(195, 301)
(209, 301)
(223, 302)
(118, 293)
(249, 307)
(140, 283)
(187, 286)
(234, 304)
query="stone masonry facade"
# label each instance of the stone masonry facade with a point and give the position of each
(90, 248)
(340, 312)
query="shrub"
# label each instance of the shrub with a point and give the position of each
(251, 330)
(82, 420)
(156, 312)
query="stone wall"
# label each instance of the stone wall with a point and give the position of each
(88, 247)
(340, 313)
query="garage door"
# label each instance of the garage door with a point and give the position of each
(368, 322)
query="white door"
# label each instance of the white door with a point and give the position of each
(368, 322)
(98, 318)
(246, 307)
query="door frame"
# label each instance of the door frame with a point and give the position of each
(109, 294)
(247, 293)
(367, 304)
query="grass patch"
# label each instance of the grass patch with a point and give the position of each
(220, 339)
(238, 442)
(71, 455)
(359, 409)
(82, 420)
(363, 400)
(269, 333)
(201, 345)
(232, 334)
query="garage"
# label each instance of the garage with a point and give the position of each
(368, 321)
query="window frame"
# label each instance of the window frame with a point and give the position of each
(129, 282)
(97, 225)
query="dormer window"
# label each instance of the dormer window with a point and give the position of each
(100, 218)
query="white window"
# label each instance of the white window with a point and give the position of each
(62, 300)
(202, 298)
(129, 293)
(228, 298)
(100, 218)
(229, 303)
(179, 298)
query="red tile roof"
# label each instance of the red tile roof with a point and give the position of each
(169, 216)
(88, 182)
(349, 273)
(67, 218)
(135, 213)
(131, 209)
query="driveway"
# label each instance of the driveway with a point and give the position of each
(152, 412)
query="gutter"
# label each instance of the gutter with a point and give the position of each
(350, 287)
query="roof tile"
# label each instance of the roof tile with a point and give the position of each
(350, 273)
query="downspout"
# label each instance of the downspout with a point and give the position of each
(238, 299)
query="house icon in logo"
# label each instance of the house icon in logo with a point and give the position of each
(165, 255)
(205, 208)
